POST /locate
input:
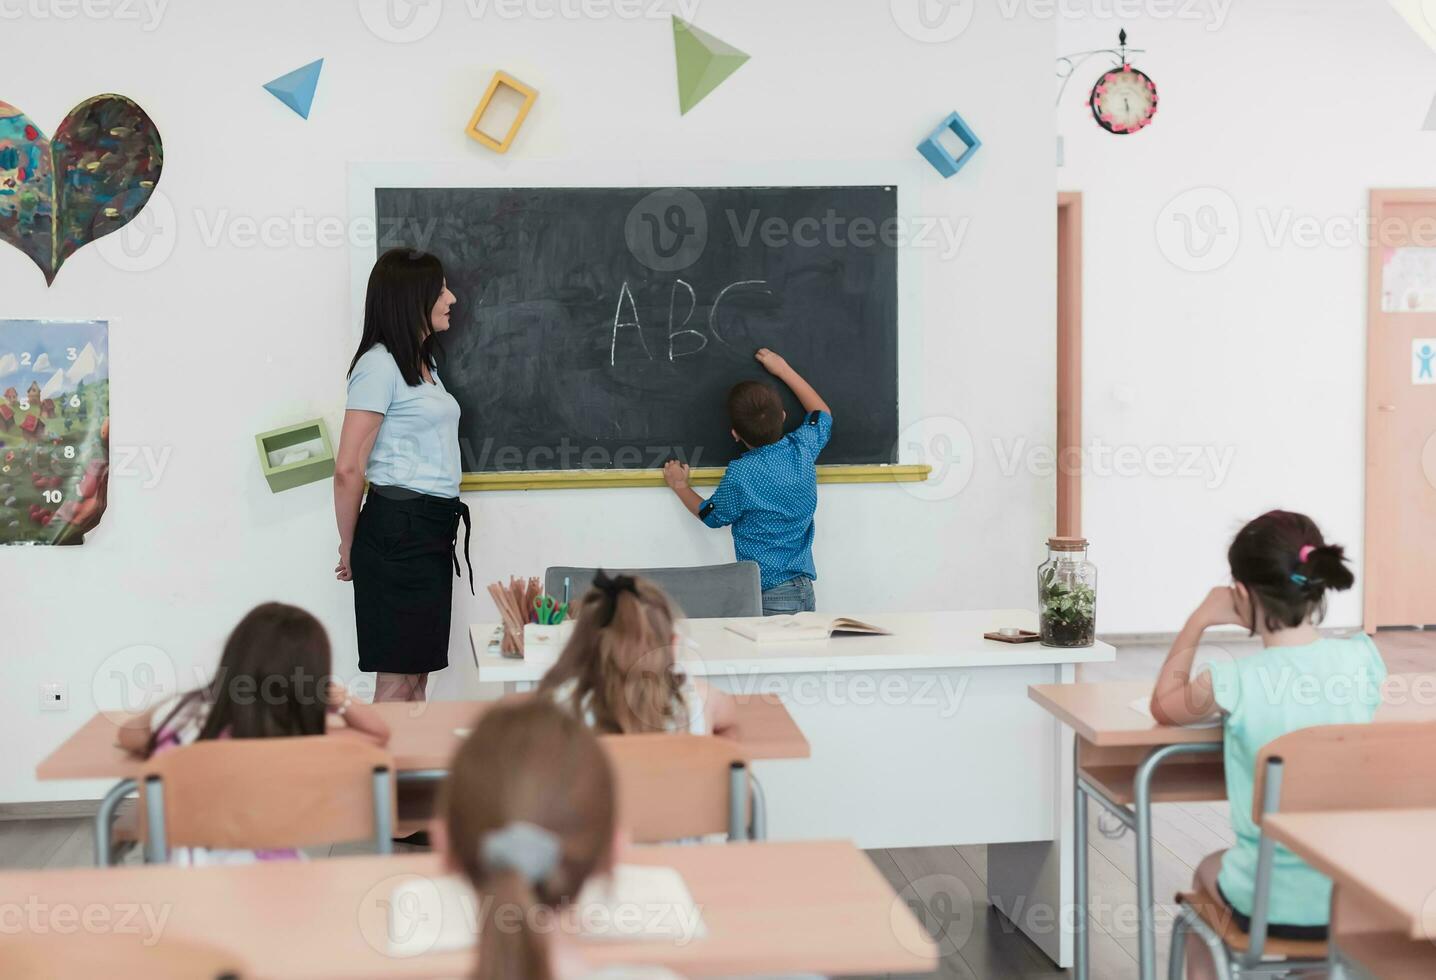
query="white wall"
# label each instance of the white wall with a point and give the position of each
(223, 339)
(1287, 114)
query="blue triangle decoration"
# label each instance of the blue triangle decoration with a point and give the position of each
(296, 89)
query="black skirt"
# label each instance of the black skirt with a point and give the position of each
(403, 560)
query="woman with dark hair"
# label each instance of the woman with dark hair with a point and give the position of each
(401, 435)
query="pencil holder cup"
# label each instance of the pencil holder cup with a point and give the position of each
(543, 644)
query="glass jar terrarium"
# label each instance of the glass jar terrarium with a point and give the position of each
(1067, 595)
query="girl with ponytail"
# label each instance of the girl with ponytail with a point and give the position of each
(1282, 569)
(528, 816)
(619, 670)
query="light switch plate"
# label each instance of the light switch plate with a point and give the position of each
(54, 696)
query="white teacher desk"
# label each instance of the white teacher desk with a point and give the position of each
(926, 737)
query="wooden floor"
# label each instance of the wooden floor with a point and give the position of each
(946, 886)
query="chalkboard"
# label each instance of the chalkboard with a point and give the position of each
(601, 328)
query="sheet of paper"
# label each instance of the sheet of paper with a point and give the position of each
(638, 903)
(1143, 706)
(1408, 280)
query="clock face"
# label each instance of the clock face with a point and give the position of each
(1124, 100)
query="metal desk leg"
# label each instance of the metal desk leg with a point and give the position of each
(1146, 926)
(1146, 912)
(105, 819)
(1079, 870)
(1334, 967)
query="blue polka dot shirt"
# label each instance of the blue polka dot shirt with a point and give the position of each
(769, 496)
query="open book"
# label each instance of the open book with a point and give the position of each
(637, 903)
(802, 626)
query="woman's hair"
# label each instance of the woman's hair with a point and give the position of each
(1287, 568)
(529, 807)
(404, 285)
(271, 680)
(620, 659)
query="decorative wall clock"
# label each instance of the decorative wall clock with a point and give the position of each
(1124, 100)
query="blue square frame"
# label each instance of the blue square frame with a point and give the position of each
(937, 155)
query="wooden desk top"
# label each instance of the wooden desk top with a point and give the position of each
(1102, 713)
(811, 907)
(919, 640)
(423, 735)
(1384, 857)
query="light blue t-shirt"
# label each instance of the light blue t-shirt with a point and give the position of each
(1265, 696)
(418, 443)
(769, 495)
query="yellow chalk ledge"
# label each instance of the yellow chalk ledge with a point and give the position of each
(706, 476)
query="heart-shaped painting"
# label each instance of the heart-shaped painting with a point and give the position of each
(59, 195)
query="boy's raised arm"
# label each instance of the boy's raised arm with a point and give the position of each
(807, 396)
(675, 474)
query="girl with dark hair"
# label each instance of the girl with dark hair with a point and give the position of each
(273, 681)
(1282, 569)
(401, 436)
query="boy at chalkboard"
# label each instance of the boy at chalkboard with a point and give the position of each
(770, 493)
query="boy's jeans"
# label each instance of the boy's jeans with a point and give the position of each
(792, 596)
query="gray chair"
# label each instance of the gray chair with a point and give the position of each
(701, 591)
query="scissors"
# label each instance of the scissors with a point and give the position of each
(548, 611)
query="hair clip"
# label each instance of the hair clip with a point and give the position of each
(524, 847)
(1305, 552)
(1299, 579)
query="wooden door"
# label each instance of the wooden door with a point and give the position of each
(1400, 574)
(1069, 364)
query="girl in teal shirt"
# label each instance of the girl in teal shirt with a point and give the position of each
(1281, 571)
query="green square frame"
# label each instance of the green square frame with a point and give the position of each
(296, 474)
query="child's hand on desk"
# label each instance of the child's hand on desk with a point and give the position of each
(675, 474)
(772, 362)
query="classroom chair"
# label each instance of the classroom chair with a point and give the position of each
(267, 793)
(84, 955)
(678, 786)
(1329, 767)
(701, 591)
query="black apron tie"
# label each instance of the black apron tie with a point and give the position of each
(453, 553)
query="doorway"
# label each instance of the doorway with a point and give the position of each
(1399, 580)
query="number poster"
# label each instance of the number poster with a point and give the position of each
(54, 429)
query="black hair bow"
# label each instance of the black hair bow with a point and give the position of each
(611, 587)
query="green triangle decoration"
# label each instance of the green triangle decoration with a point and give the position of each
(704, 63)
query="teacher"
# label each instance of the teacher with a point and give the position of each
(401, 434)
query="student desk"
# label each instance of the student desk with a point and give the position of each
(1121, 760)
(423, 737)
(926, 737)
(1126, 762)
(1382, 861)
(817, 907)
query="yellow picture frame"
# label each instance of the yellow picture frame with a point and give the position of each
(530, 95)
